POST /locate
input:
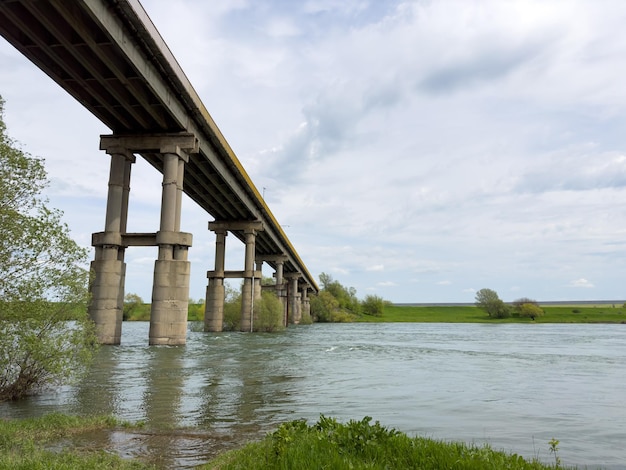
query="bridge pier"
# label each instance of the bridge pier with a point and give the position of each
(170, 289)
(251, 289)
(170, 293)
(215, 292)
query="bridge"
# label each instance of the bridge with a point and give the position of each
(110, 57)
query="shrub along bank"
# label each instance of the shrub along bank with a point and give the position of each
(361, 445)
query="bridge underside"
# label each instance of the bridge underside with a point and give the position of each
(109, 56)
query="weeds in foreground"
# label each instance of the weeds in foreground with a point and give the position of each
(363, 445)
(554, 449)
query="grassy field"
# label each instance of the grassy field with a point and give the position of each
(599, 313)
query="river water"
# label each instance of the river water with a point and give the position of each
(512, 386)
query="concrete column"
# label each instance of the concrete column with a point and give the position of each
(258, 279)
(305, 307)
(280, 292)
(294, 299)
(108, 268)
(170, 290)
(215, 293)
(247, 290)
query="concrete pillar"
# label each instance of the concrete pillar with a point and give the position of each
(258, 279)
(294, 299)
(170, 290)
(280, 288)
(215, 292)
(305, 306)
(108, 268)
(247, 290)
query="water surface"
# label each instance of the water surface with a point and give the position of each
(512, 386)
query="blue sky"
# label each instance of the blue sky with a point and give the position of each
(416, 150)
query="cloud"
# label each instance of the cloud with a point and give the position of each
(448, 142)
(583, 283)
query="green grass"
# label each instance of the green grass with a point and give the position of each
(601, 313)
(363, 445)
(23, 444)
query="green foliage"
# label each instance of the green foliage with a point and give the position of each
(135, 309)
(531, 311)
(336, 303)
(361, 444)
(554, 449)
(195, 311)
(488, 300)
(232, 309)
(268, 313)
(345, 296)
(373, 305)
(42, 283)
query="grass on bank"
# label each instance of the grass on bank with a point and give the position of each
(24, 444)
(363, 445)
(601, 313)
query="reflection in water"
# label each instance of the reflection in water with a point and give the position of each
(514, 386)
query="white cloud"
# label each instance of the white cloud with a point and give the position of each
(584, 283)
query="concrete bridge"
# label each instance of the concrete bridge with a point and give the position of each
(109, 56)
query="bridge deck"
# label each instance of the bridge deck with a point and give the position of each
(109, 56)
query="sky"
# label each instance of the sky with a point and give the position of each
(415, 150)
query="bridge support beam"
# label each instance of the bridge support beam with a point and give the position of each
(108, 267)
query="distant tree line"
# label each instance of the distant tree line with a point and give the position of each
(489, 301)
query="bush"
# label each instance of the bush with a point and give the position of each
(373, 305)
(531, 311)
(268, 313)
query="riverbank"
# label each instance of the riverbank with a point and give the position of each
(44, 443)
(572, 313)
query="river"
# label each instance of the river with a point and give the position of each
(512, 386)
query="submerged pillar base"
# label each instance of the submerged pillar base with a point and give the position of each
(170, 303)
(107, 300)
(214, 309)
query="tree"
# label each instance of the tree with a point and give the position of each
(45, 335)
(373, 305)
(133, 306)
(530, 310)
(517, 304)
(488, 300)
